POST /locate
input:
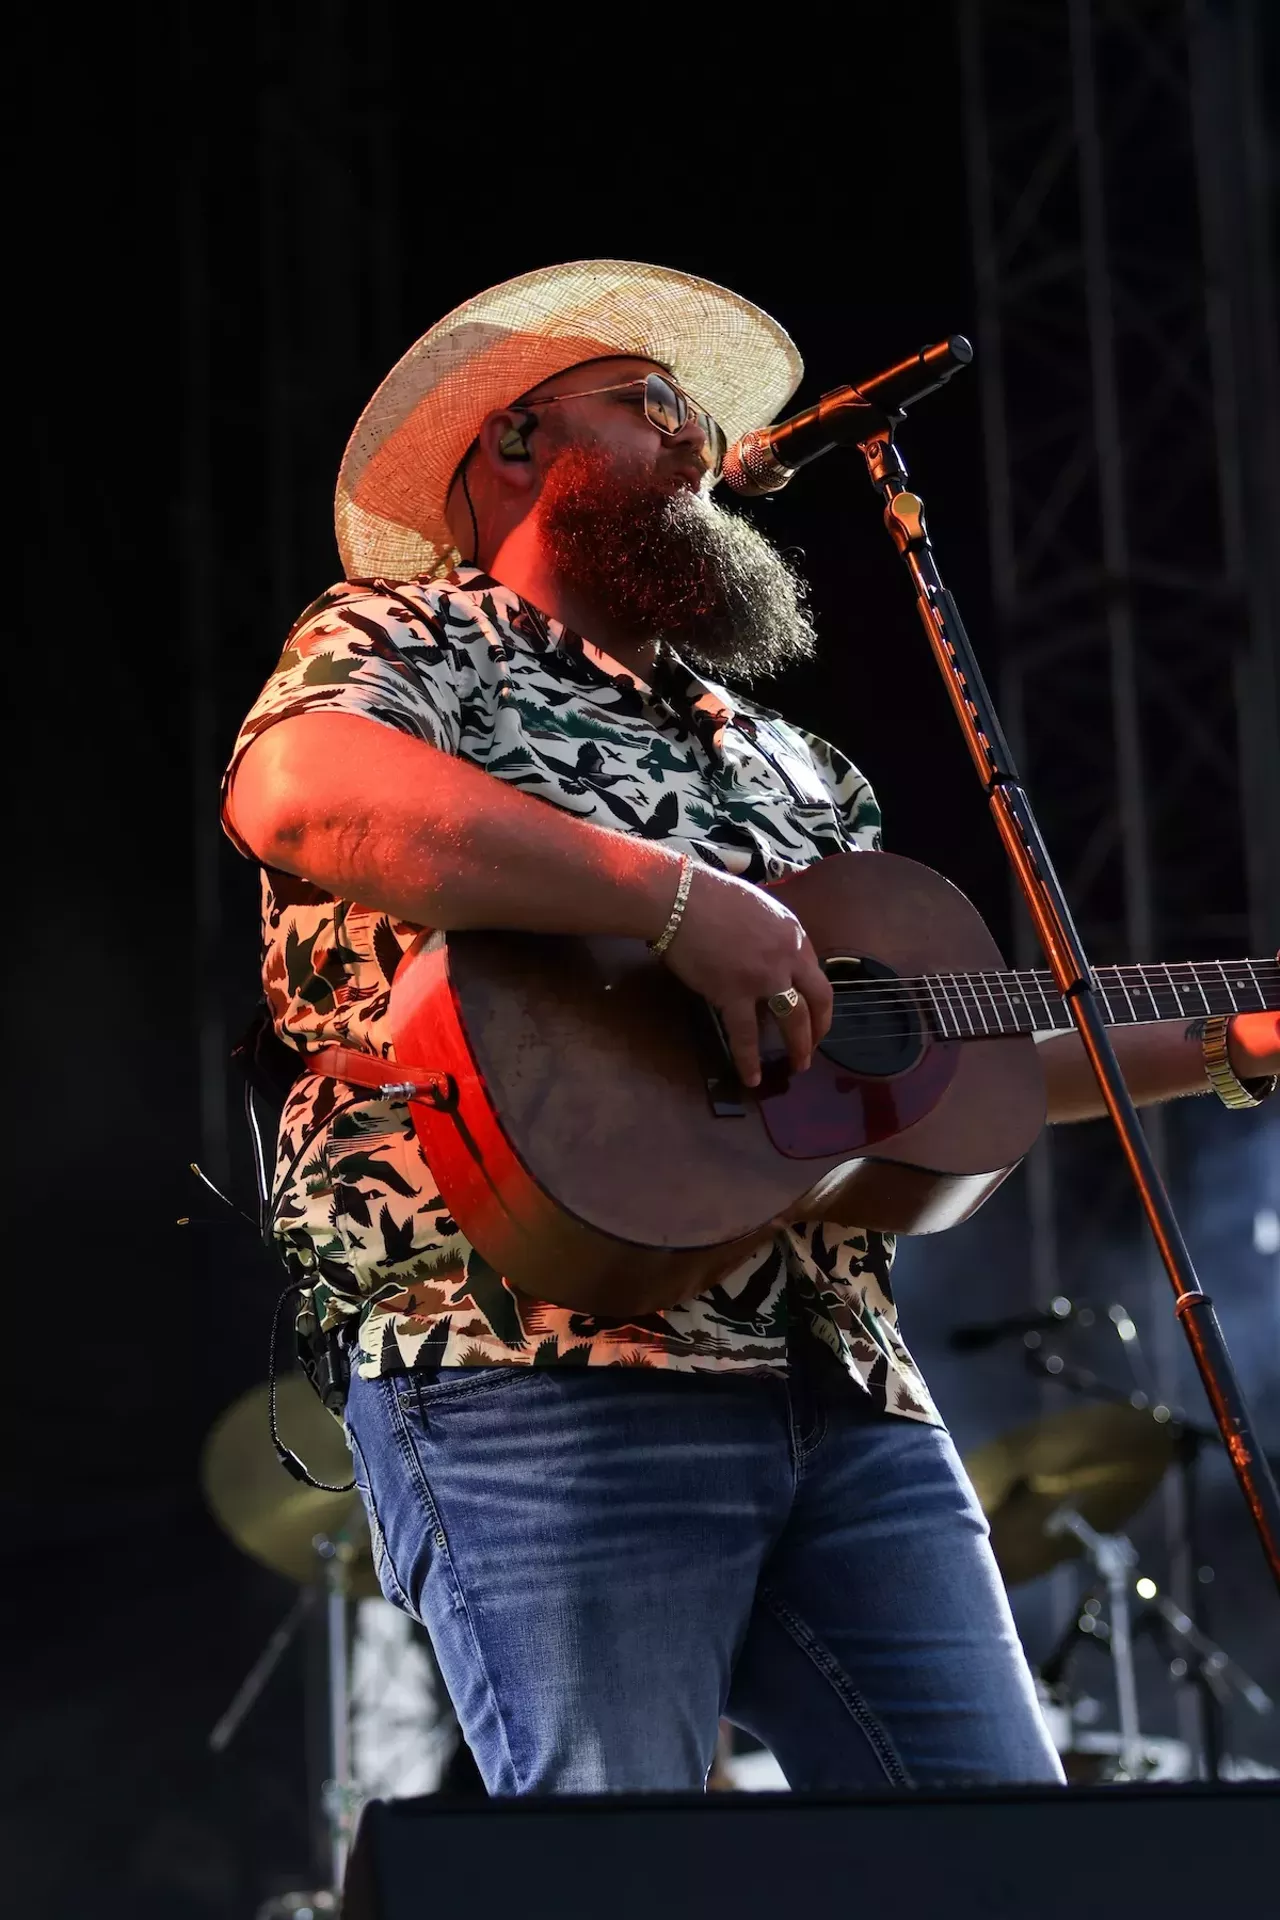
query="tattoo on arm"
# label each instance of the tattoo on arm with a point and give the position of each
(1195, 1030)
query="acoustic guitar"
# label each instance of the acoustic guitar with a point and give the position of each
(579, 1108)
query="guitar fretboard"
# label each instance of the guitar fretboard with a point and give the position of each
(965, 1006)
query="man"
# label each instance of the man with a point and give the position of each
(747, 1505)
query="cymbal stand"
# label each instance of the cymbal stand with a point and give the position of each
(340, 1799)
(1207, 1668)
(1208, 1665)
(1207, 1700)
(1116, 1559)
(860, 423)
(340, 1796)
(260, 1672)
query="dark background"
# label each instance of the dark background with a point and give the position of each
(224, 234)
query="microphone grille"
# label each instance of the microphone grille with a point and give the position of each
(751, 466)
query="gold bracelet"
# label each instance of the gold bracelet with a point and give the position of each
(668, 933)
(1223, 1078)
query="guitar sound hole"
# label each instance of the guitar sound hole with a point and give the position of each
(876, 1026)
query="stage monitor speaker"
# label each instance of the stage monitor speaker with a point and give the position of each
(1083, 1853)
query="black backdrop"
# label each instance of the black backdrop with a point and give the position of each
(196, 220)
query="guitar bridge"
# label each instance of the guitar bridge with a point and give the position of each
(719, 1075)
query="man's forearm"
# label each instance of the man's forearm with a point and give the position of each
(1160, 1061)
(375, 816)
(372, 815)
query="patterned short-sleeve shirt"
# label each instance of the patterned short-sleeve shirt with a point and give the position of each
(468, 666)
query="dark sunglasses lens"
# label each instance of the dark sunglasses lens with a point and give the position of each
(667, 409)
(716, 447)
(664, 407)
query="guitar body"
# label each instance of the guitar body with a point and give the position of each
(597, 1149)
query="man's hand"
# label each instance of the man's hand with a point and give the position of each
(736, 946)
(1253, 1045)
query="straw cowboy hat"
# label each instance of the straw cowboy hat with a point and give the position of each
(389, 511)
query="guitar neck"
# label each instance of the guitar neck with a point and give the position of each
(985, 1005)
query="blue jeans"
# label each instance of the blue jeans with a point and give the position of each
(609, 1560)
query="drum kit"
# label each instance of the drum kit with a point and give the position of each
(1055, 1490)
(1059, 1489)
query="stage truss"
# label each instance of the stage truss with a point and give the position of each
(1120, 215)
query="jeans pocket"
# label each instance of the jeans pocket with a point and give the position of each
(435, 1387)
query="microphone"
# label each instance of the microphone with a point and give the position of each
(765, 460)
(985, 1333)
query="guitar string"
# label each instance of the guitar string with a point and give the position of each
(966, 995)
(1041, 975)
(1015, 986)
(1263, 973)
(957, 1026)
(956, 1007)
(1021, 1010)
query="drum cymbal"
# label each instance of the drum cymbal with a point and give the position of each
(270, 1515)
(1103, 1460)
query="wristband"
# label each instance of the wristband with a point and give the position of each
(1222, 1076)
(668, 933)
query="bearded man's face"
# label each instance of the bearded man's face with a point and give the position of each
(658, 558)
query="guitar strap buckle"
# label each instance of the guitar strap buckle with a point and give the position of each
(438, 1090)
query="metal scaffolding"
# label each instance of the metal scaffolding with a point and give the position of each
(1125, 331)
(286, 237)
(330, 233)
(1125, 345)
(1125, 335)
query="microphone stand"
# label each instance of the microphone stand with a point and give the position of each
(1051, 916)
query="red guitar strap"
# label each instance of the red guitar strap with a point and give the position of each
(390, 1078)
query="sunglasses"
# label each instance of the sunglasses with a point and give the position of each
(666, 407)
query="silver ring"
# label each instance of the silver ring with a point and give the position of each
(783, 1003)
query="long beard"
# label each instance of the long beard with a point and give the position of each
(651, 562)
